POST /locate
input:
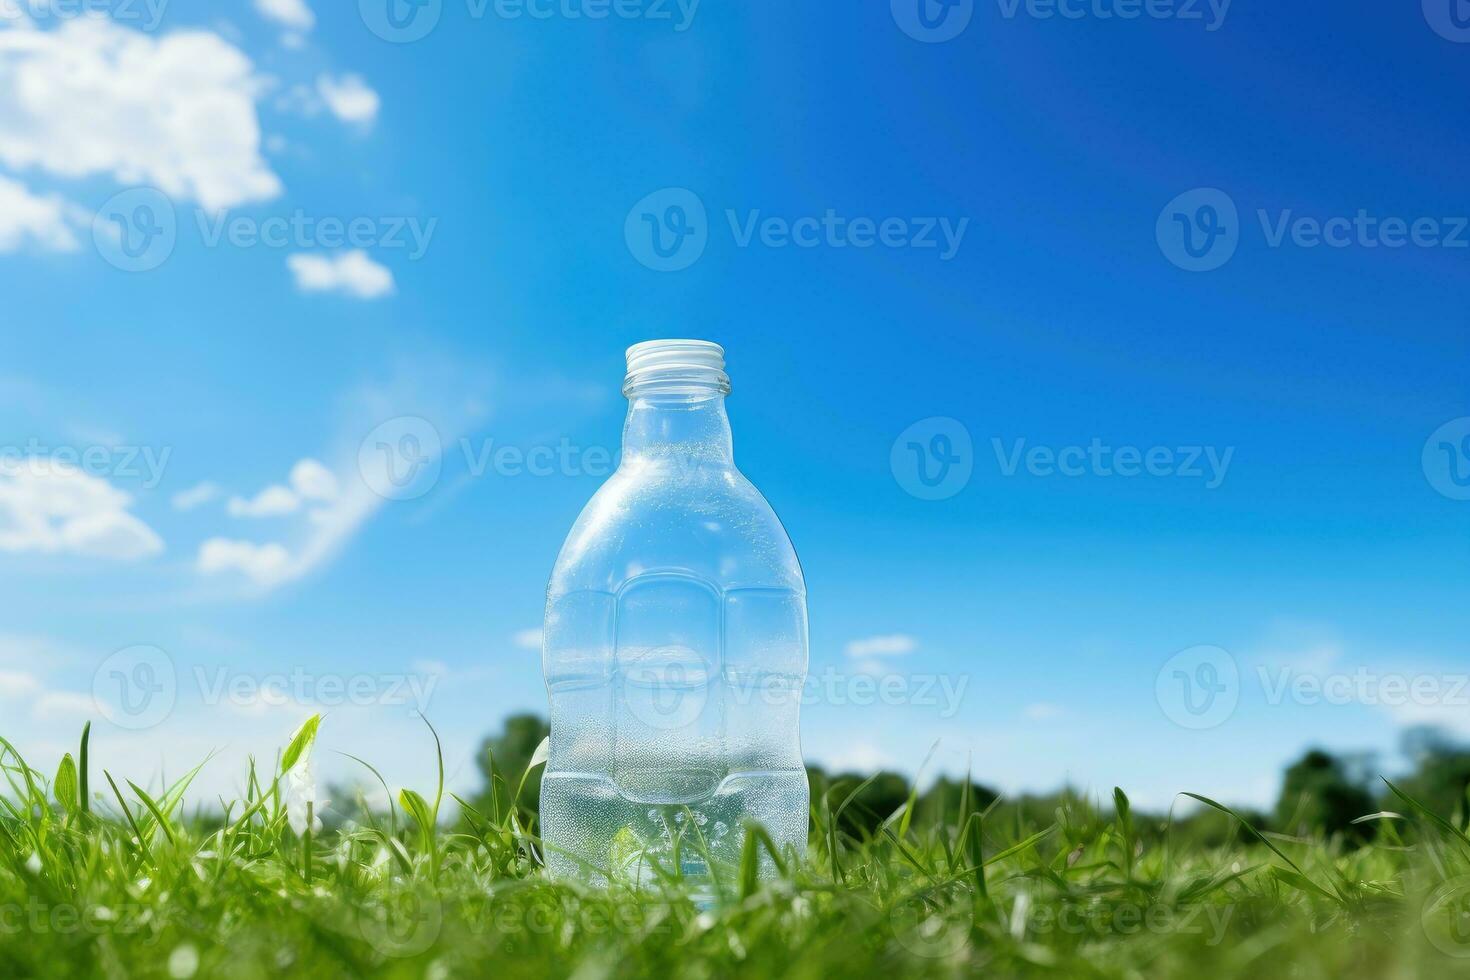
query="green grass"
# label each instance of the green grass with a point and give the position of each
(100, 877)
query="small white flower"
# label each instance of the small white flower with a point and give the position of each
(183, 962)
(33, 863)
(301, 795)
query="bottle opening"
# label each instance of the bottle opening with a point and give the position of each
(676, 366)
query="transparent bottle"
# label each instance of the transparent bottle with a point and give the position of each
(675, 646)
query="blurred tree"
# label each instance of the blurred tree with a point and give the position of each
(503, 759)
(1320, 793)
(942, 801)
(1441, 774)
(869, 807)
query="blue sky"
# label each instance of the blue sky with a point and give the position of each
(239, 242)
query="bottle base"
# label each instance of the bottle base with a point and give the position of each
(593, 832)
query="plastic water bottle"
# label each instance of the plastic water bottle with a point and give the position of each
(675, 647)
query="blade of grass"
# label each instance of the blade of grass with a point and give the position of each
(142, 843)
(84, 769)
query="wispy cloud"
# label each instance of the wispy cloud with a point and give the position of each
(858, 756)
(196, 496)
(351, 273)
(16, 684)
(887, 645)
(1043, 711)
(331, 503)
(528, 639)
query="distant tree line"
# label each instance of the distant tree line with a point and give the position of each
(1322, 793)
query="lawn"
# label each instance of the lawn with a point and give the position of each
(101, 877)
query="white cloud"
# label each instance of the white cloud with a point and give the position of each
(1043, 711)
(17, 684)
(294, 14)
(175, 110)
(349, 98)
(195, 496)
(882, 646)
(351, 273)
(313, 481)
(858, 756)
(273, 501)
(64, 704)
(528, 639)
(45, 222)
(51, 507)
(263, 564)
(310, 480)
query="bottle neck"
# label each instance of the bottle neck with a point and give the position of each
(685, 425)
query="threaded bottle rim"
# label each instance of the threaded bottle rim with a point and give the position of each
(676, 365)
